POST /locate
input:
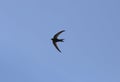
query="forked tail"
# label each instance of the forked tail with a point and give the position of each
(62, 40)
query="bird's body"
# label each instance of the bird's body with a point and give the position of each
(55, 39)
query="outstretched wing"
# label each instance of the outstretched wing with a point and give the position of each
(55, 44)
(57, 34)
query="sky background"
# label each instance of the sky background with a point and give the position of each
(90, 53)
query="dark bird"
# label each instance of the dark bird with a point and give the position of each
(55, 40)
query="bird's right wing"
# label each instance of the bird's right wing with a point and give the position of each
(55, 44)
(57, 34)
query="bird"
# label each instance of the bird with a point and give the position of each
(55, 39)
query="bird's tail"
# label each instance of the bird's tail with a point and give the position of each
(62, 40)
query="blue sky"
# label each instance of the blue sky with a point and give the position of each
(90, 53)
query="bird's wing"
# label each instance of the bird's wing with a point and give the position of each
(57, 34)
(55, 44)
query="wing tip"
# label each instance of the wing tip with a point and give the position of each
(63, 30)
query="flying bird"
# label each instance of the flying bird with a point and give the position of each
(55, 40)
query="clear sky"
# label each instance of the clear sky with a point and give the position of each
(90, 53)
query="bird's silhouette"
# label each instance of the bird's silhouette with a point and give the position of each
(55, 40)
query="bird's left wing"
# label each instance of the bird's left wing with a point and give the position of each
(55, 44)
